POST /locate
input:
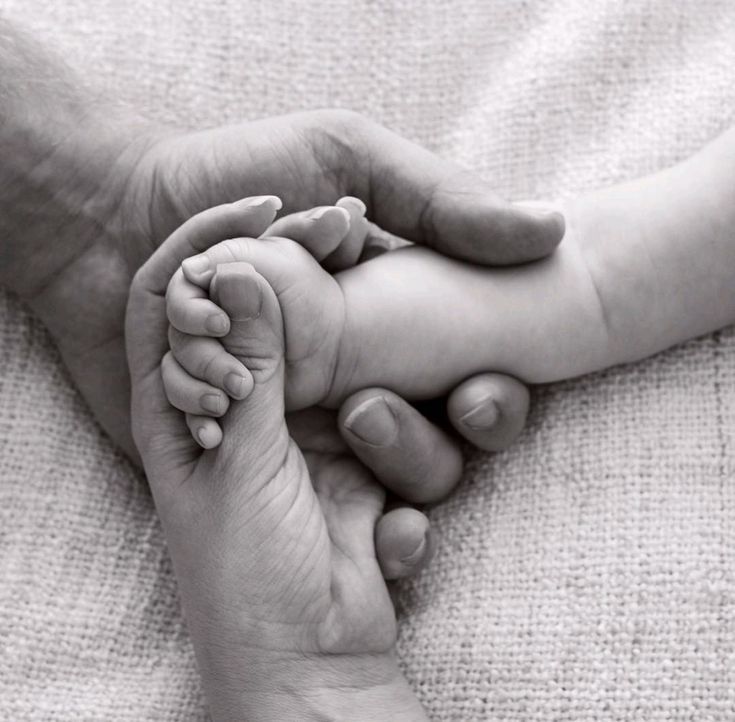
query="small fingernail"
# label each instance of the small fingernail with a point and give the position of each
(258, 201)
(483, 417)
(218, 324)
(253, 298)
(373, 422)
(235, 385)
(417, 554)
(196, 265)
(211, 403)
(356, 203)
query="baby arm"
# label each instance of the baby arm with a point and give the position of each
(419, 322)
(643, 266)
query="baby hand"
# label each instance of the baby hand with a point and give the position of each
(199, 375)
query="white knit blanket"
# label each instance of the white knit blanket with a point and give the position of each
(585, 574)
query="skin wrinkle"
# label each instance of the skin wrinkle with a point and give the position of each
(135, 238)
(604, 318)
(344, 139)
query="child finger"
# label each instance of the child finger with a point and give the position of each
(320, 230)
(207, 360)
(205, 430)
(199, 270)
(189, 394)
(190, 310)
(244, 218)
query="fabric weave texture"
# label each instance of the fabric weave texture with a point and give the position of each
(587, 573)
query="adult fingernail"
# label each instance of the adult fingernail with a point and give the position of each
(196, 265)
(318, 213)
(482, 417)
(373, 422)
(211, 403)
(417, 554)
(353, 202)
(203, 437)
(258, 201)
(218, 324)
(235, 385)
(542, 211)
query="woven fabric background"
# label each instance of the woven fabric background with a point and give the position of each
(588, 573)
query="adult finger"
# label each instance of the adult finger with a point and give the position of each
(489, 410)
(350, 248)
(320, 230)
(416, 460)
(419, 196)
(248, 217)
(404, 543)
(314, 158)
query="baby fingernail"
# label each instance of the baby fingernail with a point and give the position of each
(373, 422)
(212, 403)
(258, 201)
(196, 265)
(217, 324)
(483, 417)
(235, 385)
(253, 298)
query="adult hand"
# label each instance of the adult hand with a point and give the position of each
(74, 265)
(273, 534)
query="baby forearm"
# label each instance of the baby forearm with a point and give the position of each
(643, 266)
(419, 323)
(661, 251)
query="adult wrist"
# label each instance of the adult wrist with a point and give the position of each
(361, 688)
(63, 191)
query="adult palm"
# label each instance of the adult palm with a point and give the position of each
(112, 212)
(272, 536)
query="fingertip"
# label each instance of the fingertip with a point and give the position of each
(205, 431)
(239, 385)
(333, 220)
(265, 202)
(353, 204)
(404, 543)
(197, 270)
(370, 420)
(540, 229)
(217, 324)
(412, 457)
(237, 288)
(489, 410)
